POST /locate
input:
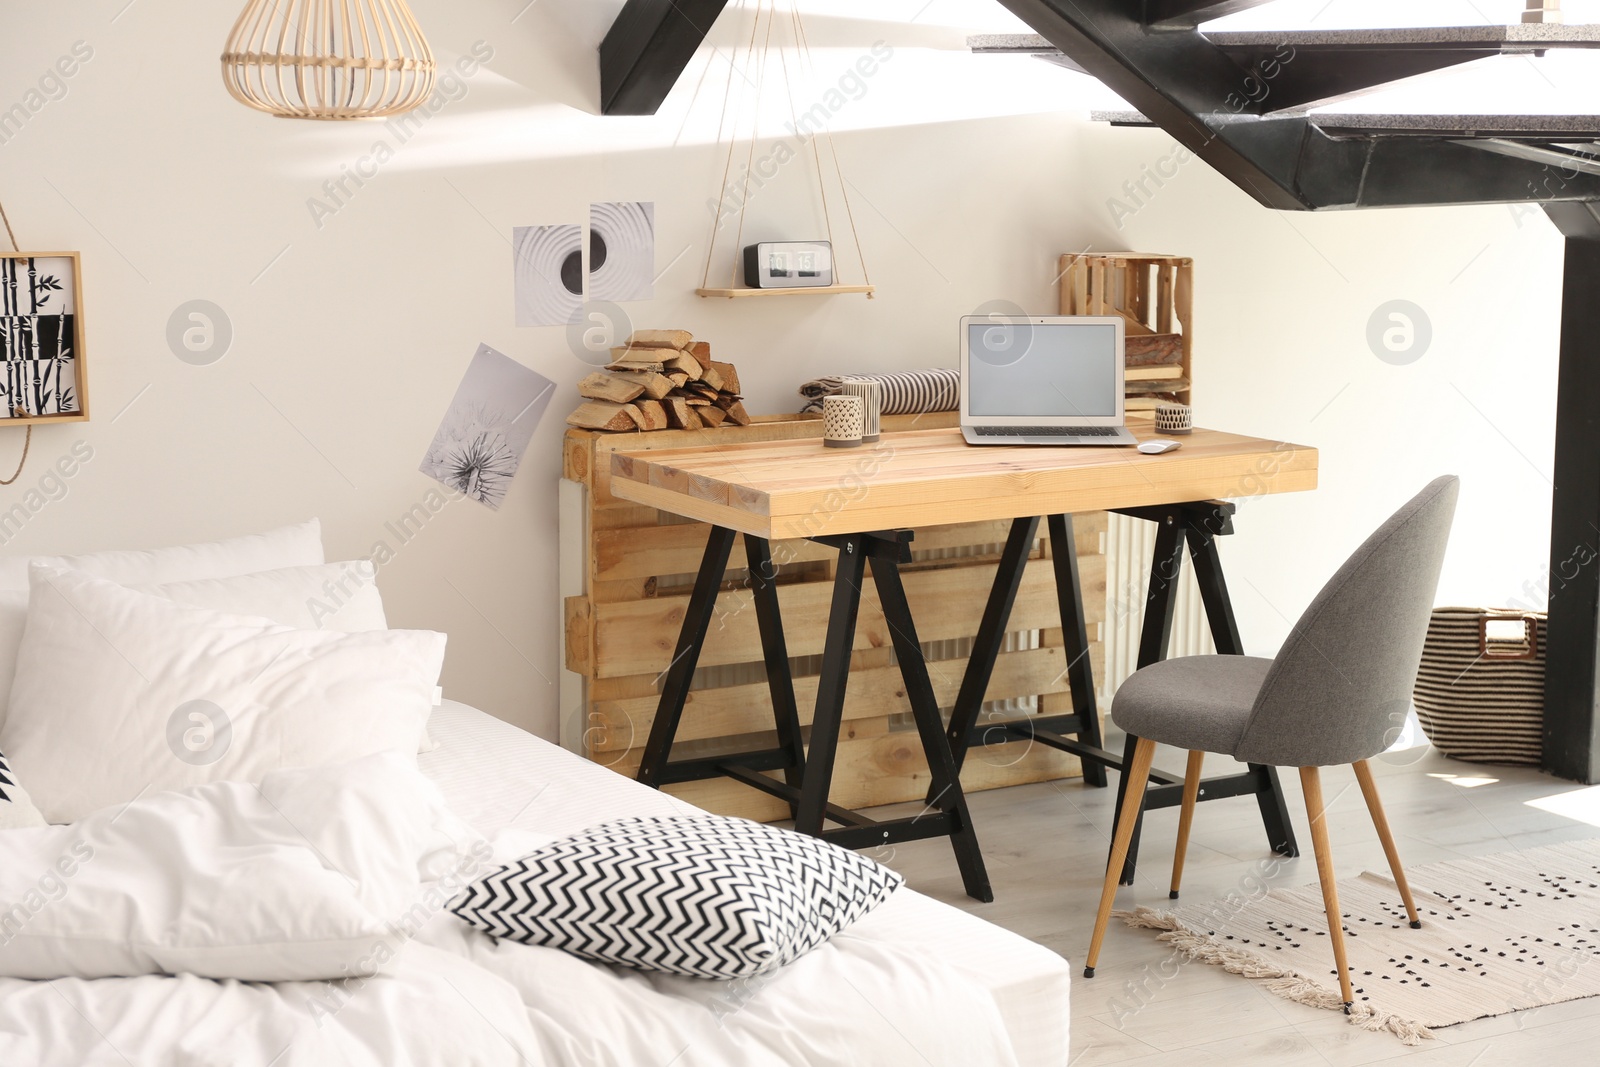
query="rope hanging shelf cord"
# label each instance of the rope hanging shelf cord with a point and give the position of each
(27, 441)
(750, 156)
(755, 70)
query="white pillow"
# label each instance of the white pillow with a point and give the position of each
(342, 597)
(290, 546)
(314, 874)
(119, 693)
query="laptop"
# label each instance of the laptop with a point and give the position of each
(1054, 380)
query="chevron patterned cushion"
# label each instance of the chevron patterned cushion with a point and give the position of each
(16, 807)
(702, 895)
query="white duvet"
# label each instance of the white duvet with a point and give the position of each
(342, 872)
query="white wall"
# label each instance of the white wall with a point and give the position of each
(1283, 303)
(970, 176)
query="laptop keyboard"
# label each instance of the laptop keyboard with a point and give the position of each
(1046, 431)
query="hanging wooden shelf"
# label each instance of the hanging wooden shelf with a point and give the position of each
(802, 290)
(757, 52)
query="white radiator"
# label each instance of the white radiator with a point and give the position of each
(1130, 544)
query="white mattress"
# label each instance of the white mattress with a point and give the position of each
(915, 982)
(498, 777)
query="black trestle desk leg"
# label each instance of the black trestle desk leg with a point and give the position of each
(946, 780)
(991, 637)
(1075, 643)
(775, 652)
(1155, 636)
(1225, 635)
(831, 685)
(691, 638)
(1213, 589)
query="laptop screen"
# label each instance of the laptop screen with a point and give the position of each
(1048, 370)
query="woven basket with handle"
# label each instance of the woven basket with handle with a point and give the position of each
(1480, 690)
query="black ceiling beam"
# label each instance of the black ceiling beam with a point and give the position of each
(1189, 13)
(646, 50)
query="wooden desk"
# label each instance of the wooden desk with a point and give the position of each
(932, 477)
(864, 502)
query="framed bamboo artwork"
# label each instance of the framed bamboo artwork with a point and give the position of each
(42, 369)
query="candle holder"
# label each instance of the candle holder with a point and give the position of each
(871, 394)
(842, 418)
(1174, 418)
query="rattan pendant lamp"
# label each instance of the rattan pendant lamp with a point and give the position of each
(328, 59)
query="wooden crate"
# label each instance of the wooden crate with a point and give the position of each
(1155, 296)
(637, 567)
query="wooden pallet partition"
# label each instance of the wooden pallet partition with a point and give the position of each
(1154, 295)
(620, 633)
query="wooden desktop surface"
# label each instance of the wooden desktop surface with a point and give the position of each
(917, 478)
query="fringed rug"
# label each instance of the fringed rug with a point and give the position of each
(1499, 934)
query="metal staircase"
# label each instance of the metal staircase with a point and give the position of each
(1241, 101)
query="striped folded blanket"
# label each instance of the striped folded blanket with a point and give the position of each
(907, 392)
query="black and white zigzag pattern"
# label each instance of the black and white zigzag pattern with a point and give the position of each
(7, 781)
(704, 895)
(909, 392)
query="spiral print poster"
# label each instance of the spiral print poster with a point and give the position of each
(622, 251)
(549, 274)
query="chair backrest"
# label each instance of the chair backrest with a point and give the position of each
(1340, 688)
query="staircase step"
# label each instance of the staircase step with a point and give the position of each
(1297, 69)
(1519, 37)
(1494, 40)
(1548, 129)
(1124, 117)
(1021, 44)
(1027, 44)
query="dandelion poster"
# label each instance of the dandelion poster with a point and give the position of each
(490, 423)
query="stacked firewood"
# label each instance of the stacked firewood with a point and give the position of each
(661, 379)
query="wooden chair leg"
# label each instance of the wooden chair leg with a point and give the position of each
(1369, 789)
(1311, 782)
(1138, 772)
(1191, 793)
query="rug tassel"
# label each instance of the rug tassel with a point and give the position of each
(1290, 985)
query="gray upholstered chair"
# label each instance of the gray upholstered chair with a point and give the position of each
(1328, 698)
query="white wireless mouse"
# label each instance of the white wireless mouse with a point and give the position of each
(1155, 448)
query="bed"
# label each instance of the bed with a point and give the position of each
(238, 827)
(914, 982)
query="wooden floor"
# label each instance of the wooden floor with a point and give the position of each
(1045, 846)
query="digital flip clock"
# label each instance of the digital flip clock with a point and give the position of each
(788, 264)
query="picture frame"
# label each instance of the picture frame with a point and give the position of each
(43, 366)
